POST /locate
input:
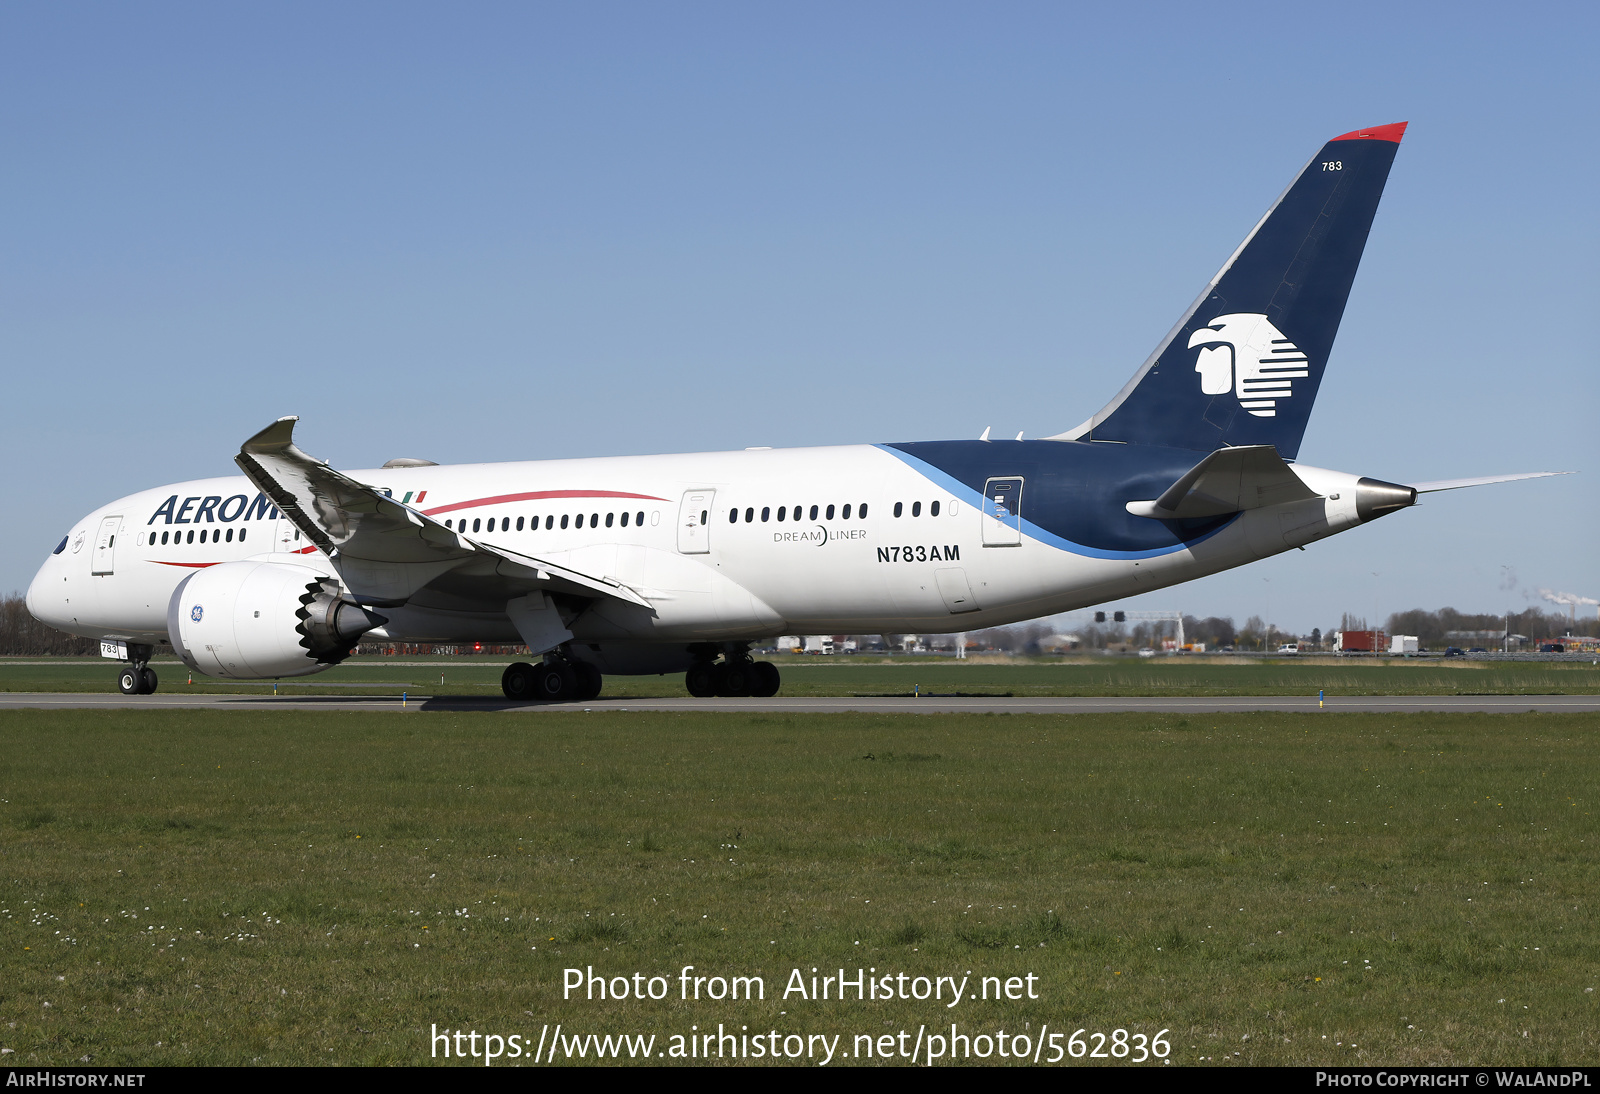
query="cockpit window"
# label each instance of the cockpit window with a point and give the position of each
(62, 546)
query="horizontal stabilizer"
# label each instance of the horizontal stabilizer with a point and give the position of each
(1229, 480)
(1461, 484)
(384, 550)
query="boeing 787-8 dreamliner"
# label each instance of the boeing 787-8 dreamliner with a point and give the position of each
(678, 563)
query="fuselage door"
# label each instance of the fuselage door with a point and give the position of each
(105, 546)
(694, 522)
(1002, 512)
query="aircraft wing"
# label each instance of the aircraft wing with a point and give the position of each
(384, 550)
(1229, 480)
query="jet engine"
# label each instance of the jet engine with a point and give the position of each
(254, 620)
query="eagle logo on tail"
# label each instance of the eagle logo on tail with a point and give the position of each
(1245, 352)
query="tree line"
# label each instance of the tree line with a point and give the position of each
(23, 635)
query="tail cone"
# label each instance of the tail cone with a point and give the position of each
(1376, 498)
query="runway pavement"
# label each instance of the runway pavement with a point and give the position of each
(930, 704)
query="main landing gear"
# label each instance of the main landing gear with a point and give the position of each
(734, 675)
(555, 680)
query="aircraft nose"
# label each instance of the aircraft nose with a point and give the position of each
(45, 600)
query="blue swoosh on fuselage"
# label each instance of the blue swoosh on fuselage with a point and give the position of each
(1074, 492)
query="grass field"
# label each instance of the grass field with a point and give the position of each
(325, 888)
(842, 676)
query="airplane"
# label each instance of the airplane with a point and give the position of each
(680, 563)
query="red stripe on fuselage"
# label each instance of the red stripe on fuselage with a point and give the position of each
(203, 565)
(537, 495)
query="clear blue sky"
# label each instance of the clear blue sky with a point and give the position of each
(493, 232)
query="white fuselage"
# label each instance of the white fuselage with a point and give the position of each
(753, 568)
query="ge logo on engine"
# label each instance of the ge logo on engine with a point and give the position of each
(196, 612)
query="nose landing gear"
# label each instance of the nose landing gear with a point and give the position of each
(137, 677)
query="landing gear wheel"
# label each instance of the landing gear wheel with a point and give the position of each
(589, 681)
(518, 681)
(554, 682)
(765, 679)
(734, 678)
(130, 681)
(148, 681)
(701, 680)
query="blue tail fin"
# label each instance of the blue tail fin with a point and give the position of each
(1243, 365)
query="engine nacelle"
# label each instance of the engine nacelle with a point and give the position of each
(255, 620)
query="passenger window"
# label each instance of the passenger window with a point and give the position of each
(749, 515)
(933, 508)
(476, 524)
(705, 518)
(230, 535)
(242, 531)
(519, 524)
(190, 539)
(609, 518)
(830, 512)
(163, 541)
(638, 518)
(766, 512)
(563, 520)
(733, 516)
(897, 508)
(625, 519)
(594, 520)
(813, 512)
(781, 510)
(916, 508)
(549, 522)
(862, 513)
(845, 513)
(505, 524)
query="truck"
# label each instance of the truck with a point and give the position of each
(1359, 641)
(819, 643)
(1403, 644)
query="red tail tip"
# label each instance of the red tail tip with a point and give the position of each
(1377, 133)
